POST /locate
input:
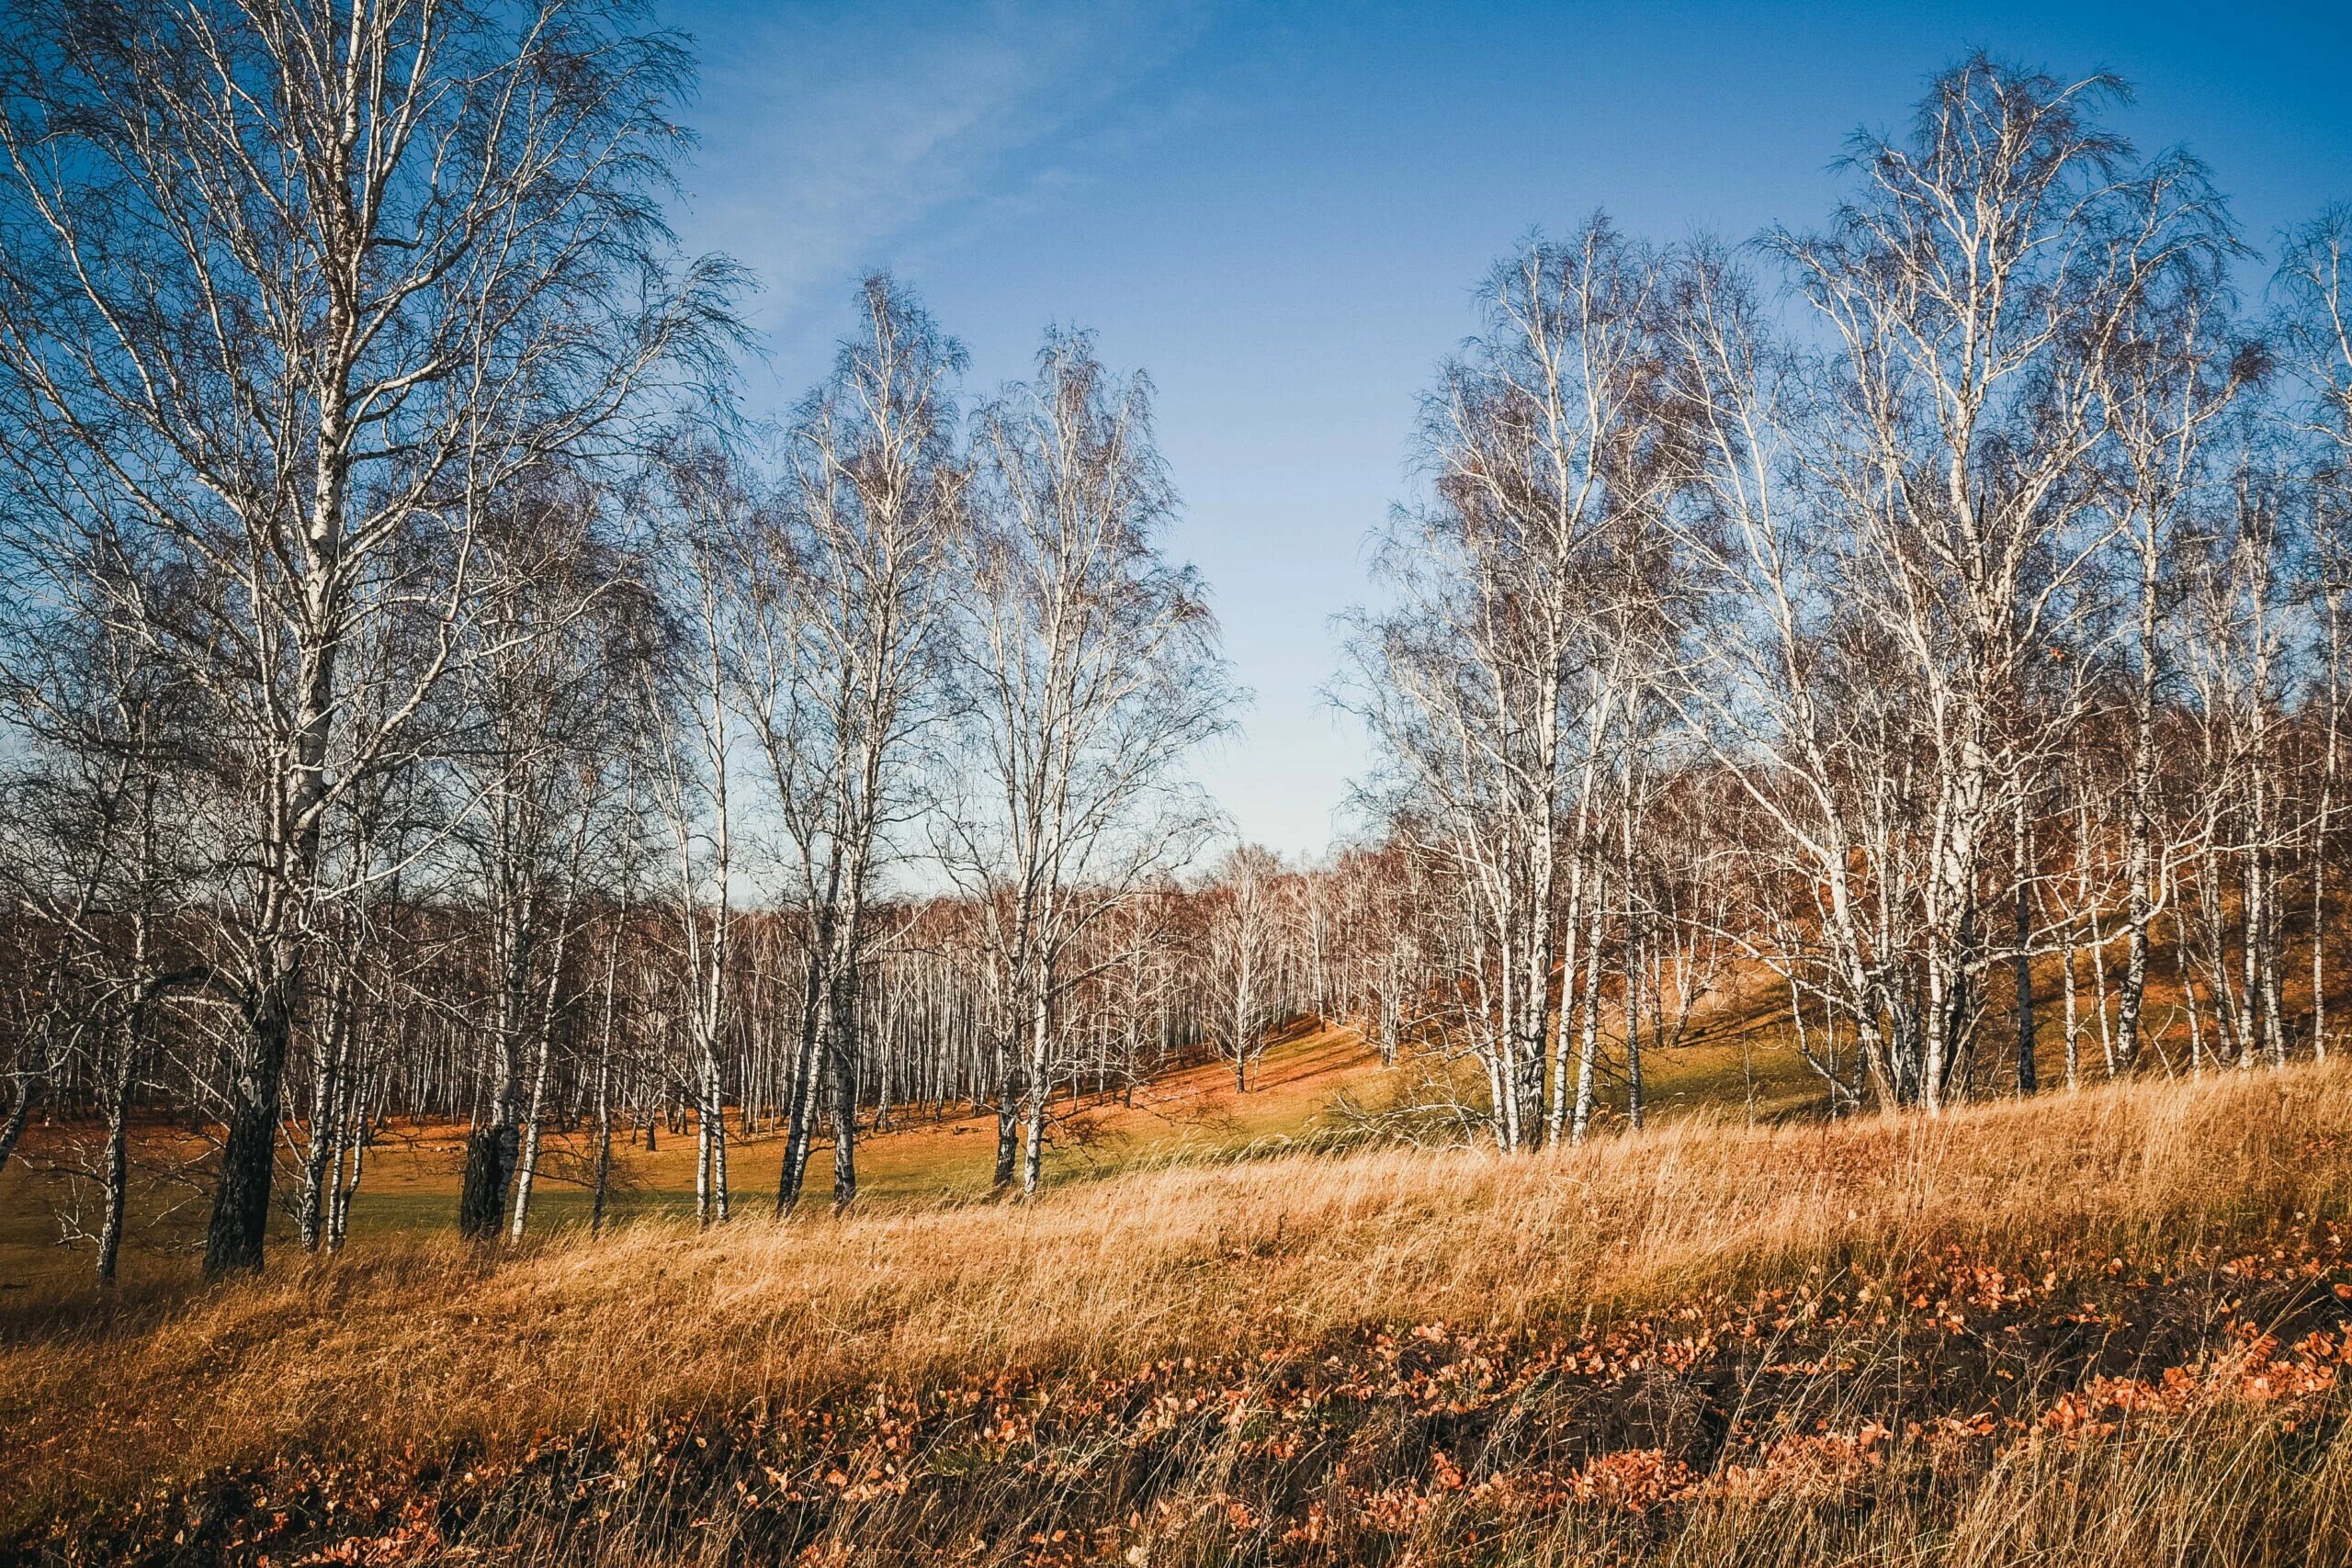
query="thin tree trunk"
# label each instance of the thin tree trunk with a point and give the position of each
(117, 1160)
(1589, 1024)
(527, 1167)
(807, 1063)
(602, 1184)
(1033, 1143)
(2141, 911)
(2021, 962)
(843, 1068)
(19, 1111)
(2320, 826)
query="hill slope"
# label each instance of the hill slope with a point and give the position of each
(1193, 1112)
(2100, 1328)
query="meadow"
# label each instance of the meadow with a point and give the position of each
(1313, 1085)
(2102, 1327)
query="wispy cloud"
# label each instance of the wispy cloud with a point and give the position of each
(828, 132)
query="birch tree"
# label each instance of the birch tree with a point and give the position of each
(1246, 994)
(694, 719)
(1489, 688)
(2176, 371)
(546, 711)
(1091, 669)
(855, 580)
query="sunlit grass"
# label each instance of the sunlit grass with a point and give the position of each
(414, 1345)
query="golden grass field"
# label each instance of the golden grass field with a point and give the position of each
(2108, 1327)
(413, 1171)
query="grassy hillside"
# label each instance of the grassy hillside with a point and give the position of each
(1308, 1075)
(2102, 1328)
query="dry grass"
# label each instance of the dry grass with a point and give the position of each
(1190, 1115)
(415, 1170)
(958, 1379)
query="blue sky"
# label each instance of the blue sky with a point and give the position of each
(1280, 212)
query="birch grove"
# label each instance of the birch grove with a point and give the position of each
(1901, 657)
(1971, 574)
(292, 294)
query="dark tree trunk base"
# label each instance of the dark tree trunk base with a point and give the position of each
(491, 1157)
(232, 1243)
